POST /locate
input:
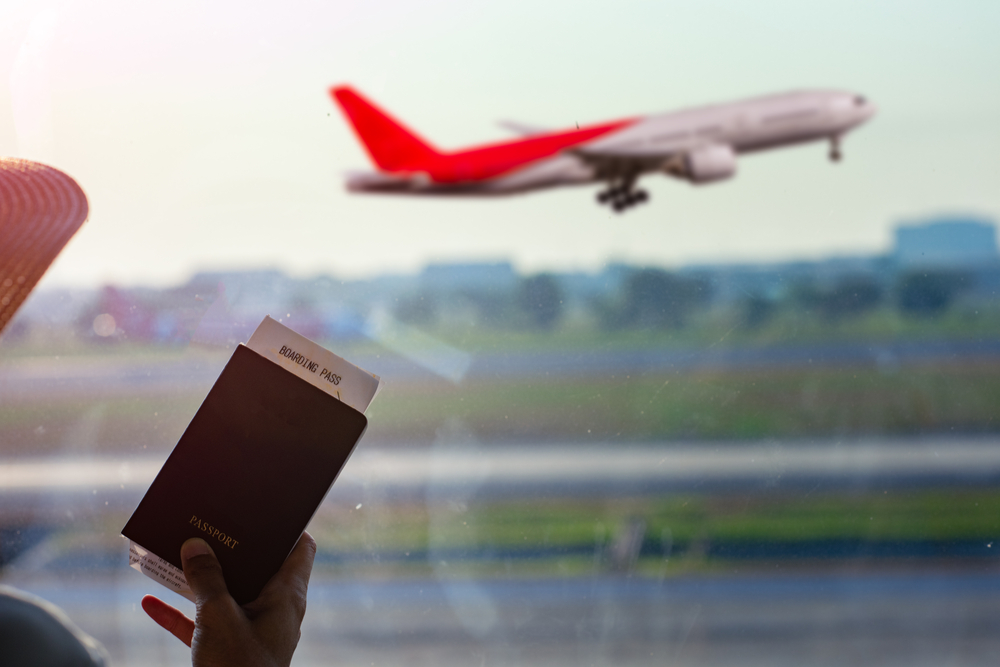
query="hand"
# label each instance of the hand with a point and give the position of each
(263, 633)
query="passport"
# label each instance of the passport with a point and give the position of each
(255, 462)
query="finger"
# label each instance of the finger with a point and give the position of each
(169, 618)
(297, 567)
(292, 580)
(202, 571)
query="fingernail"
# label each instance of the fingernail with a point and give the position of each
(195, 547)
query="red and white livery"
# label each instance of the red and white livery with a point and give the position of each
(699, 145)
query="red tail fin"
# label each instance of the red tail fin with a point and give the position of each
(391, 145)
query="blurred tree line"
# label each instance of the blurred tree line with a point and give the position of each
(653, 298)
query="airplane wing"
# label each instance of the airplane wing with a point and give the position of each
(623, 163)
(524, 129)
(635, 149)
(697, 162)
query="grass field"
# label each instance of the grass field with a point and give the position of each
(723, 325)
(916, 515)
(567, 536)
(791, 403)
(710, 405)
(726, 327)
(578, 536)
(749, 404)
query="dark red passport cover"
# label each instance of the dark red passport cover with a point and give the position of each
(254, 464)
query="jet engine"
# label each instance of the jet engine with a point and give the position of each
(715, 162)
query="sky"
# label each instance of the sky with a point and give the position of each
(204, 136)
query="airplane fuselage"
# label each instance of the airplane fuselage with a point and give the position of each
(747, 125)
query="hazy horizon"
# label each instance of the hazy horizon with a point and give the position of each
(415, 272)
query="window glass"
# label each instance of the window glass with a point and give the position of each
(715, 387)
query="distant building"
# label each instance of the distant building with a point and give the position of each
(951, 242)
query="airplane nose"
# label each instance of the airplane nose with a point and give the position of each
(868, 111)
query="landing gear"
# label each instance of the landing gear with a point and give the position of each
(621, 195)
(835, 153)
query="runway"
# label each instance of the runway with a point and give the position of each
(196, 369)
(753, 619)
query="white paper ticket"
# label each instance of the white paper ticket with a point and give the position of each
(158, 570)
(315, 364)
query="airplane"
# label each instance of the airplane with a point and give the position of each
(698, 145)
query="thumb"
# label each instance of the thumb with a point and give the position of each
(202, 570)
